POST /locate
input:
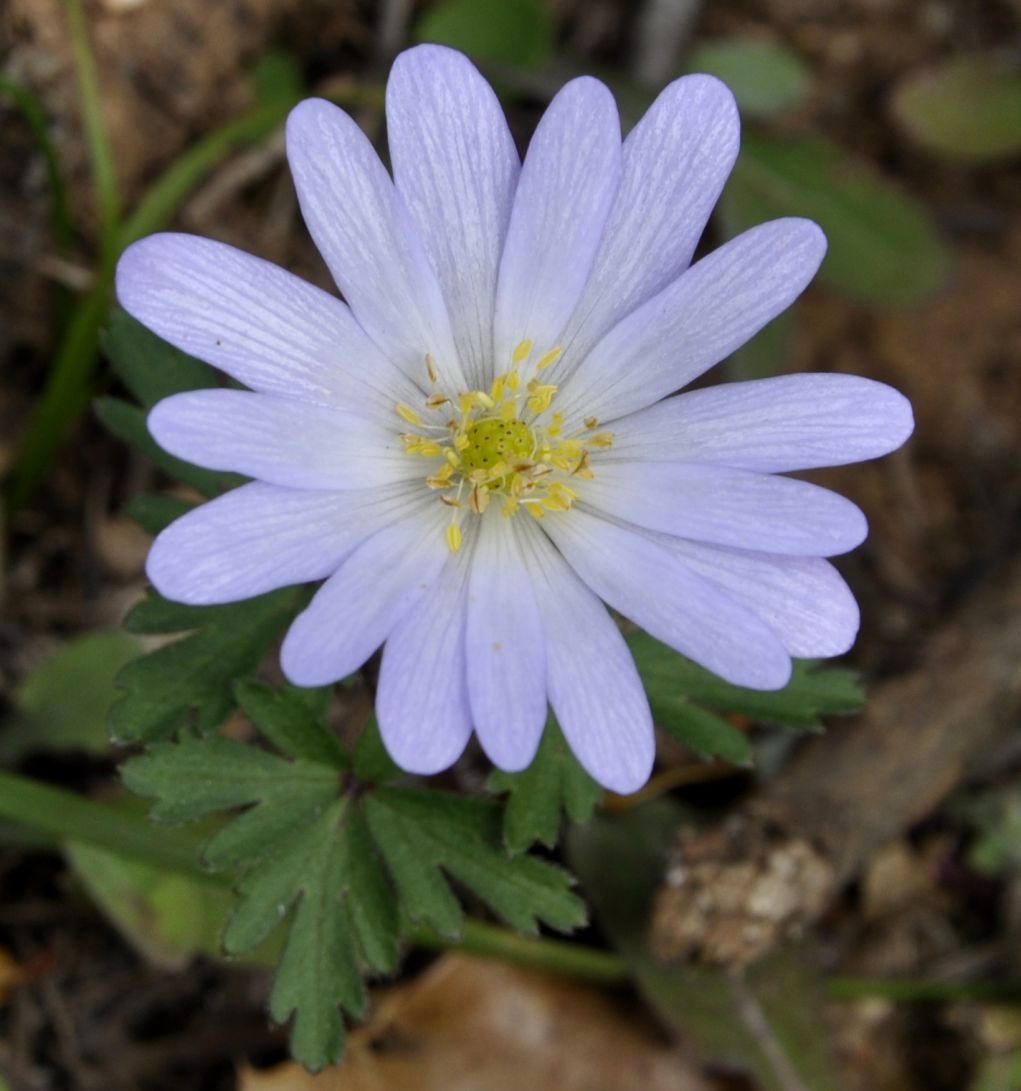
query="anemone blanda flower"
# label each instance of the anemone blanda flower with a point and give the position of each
(485, 439)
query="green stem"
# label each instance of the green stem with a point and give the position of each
(555, 956)
(903, 991)
(70, 383)
(60, 816)
(65, 395)
(104, 173)
(166, 195)
(65, 816)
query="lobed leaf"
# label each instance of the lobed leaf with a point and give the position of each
(420, 832)
(154, 513)
(191, 681)
(553, 783)
(679, 692)
(128, 422)
(294, 721)
(342, 865)
(148, 366)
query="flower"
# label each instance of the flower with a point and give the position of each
(484, 440)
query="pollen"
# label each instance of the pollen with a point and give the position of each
(501, 443)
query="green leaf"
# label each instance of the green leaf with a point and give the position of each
(128, 422)
(421, 832)
(277, 77)
(154, 513)
(372, 763)
(341, 865)
(767, 353)
(998, 1072)
(191, 681)
(883, 249)
(768, 1022)
(149, 367)
(681, 695)
(63, 703)
(199, 777)
(166, 915)
(332, 873)
(766, 79)
(553, 782)
(513, 32)
(294, 721)
(969, 109)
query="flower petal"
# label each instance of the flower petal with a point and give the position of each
(260, 324)
(642, 579)
(562, 201)
(594, 688)
(357, 607)
(675, 162)
(280, 441)
(455, 164)
(790, 422)
(728, 507)
(362, 229)
(261, 537)
(506, 648)
(422, 698)
(700, 319)
(803, 599)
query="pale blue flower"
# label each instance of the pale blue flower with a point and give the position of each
(481, 444)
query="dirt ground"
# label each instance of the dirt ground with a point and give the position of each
(945, 512)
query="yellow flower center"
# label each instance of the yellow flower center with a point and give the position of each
(501, 442)
(493, 441)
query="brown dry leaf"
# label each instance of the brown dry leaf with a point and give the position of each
(468, 1024)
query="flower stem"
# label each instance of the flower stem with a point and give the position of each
(555, 956)
(65, 816)
(60, 816)
(906, 991)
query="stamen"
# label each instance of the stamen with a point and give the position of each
(522, 351)
(498, 444)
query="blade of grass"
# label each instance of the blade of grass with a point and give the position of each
(32, 111)
(69, 386)
(104, 172)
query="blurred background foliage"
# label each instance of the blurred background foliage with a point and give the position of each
(896, 124)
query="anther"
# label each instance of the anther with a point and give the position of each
(522, 350)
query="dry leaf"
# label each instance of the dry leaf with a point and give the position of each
(468, 1024)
